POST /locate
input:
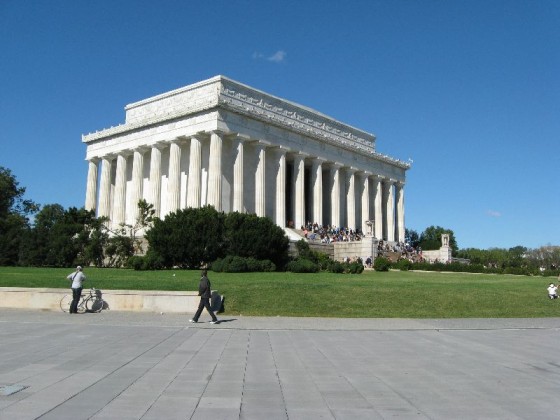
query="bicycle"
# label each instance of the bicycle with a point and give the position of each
(91, 302)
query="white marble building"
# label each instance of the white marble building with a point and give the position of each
(221, 143)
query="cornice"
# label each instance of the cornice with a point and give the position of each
(222, 93)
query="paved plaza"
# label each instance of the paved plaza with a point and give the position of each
(125, 365)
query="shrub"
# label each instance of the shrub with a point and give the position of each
(253, 265)
(336, 267)
(403, 264)
(136, 263)
(153, 261)
(150, 261)
(302, 265)
(217, 265)
(381, 264)
(267, 266)
(235, 264)
(355, 267)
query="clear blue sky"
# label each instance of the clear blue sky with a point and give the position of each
(469, 90)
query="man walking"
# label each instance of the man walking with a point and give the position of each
(205, 293)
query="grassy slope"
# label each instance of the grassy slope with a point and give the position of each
(371, 294)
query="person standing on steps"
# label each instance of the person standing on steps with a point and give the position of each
(77, 277)
(205, 293)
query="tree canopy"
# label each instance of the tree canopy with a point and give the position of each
(430, 239)
(14, 216)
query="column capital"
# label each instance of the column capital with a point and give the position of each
(109, 156)
(299, 155)
(141, 149)
(281, 150)
(124, 152)
(389, 181)
(334, 165)
(241, 137)
(199, 135)
(178, 140)
(158, 145)
(317, 159)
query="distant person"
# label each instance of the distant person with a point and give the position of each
(205, 293)
(552, 291)
(77, 277)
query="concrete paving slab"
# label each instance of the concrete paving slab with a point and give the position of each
(118, 365)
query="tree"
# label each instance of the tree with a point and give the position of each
(188, 238)
(195, 237)
(248, 235)
(59, 238)
(412, 237)
(14, 217)
(430, 239)
(123, 242)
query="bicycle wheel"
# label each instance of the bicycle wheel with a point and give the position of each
(65, 303)
(95, 304)
(82, 305)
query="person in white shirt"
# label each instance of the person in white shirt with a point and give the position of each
(552, 291)
(77, 277)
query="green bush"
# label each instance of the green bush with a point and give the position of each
(355, 267)
(236, 264)
(381, 264)
(336, 267)
(302, 265)
(217, 266)
(403, 264)
(150, 261)
(253, 265)
(136, 262)
(550, 273)
(267, 266)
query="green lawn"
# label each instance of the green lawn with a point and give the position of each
(392, 294)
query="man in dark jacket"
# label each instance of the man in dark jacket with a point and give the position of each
(205, 293)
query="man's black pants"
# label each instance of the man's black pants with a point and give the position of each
(76, 295)
(204, 303)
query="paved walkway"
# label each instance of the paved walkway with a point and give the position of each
(119, 365)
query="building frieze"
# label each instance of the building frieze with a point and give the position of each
(223, 93)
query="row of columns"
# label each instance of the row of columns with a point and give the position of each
(387, 193)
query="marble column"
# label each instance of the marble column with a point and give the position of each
(378, 207)
(390, 209)
(91, 189)
(195, 171)
(119, 200)
(174, 182)
(399, 190)
(238, 176)
(137, 181)
(105, 187)
(155, 180)
(365, 199)
(299, 198)
(215, 171)
(260, 184)
(335, 196)
(351, 200)
(281, 189)
(317, 185)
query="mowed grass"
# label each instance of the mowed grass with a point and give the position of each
(393, 294)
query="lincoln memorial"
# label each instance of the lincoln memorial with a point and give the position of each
(222, 143)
